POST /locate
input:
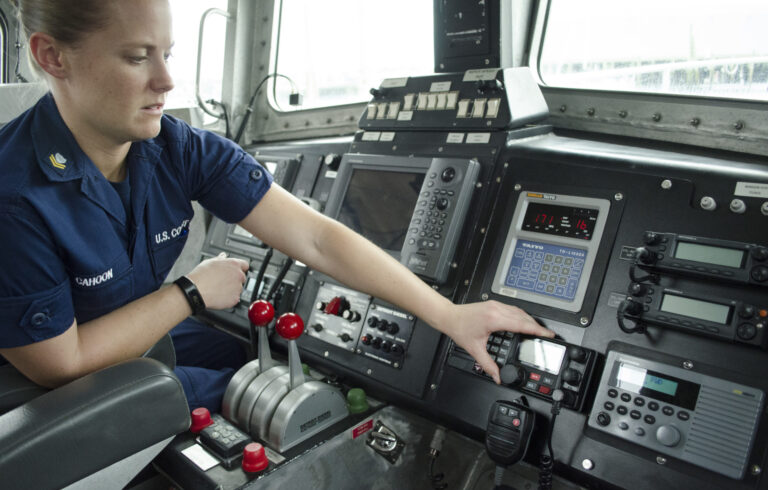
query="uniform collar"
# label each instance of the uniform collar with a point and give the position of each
(61, 160)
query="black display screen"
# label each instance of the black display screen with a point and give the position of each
(379, 205)
(552, 219)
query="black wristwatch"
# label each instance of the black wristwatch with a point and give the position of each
(194, 298)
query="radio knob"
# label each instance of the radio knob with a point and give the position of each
(577, 354)
(645, 256)
(746, 311)
(383, 325)
(668, 435)
(317, 327)
(760, 253)
(746, 331)
(651, 238)
(603, 419)
(571, 376)
(394, 328)
(345, 337)
(512, 375)
(448, 174)
(637, 289)
(442, 204)
(759, 273)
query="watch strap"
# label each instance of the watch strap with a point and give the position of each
(194, 298)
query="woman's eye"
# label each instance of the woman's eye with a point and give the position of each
(137, 59)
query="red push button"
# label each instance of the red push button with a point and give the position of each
(254, 458)
(201, 418)
(535, 376)
(516, 422)
(544, 389)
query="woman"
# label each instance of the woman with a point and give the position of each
(96, 193)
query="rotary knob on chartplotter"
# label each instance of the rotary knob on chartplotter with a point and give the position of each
(260, 314)
(332, 161)
(646, 256)
(296, 417)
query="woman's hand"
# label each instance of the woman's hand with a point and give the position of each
(220, 280)
(470, 326)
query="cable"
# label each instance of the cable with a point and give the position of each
(547, 462)
(621, 312)
(249, 108)
(224, 114)
(279, 279)
(654, 278)
(260, 274)
(434, 451)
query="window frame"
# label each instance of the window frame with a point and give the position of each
(4, 48)
(712, 122)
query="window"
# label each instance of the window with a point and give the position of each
(692, 47)
(334, 51)
(3, 48)
(183, 62)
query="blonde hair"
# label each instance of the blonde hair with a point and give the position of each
(67, 21)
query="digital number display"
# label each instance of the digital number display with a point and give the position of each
(696, 308)
(708, 254)
(568, 221)
(543, 355)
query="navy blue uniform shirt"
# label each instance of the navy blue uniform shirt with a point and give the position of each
(67, 248)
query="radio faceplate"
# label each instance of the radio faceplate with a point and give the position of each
(536, 366)
(709, 258)
(700, 419)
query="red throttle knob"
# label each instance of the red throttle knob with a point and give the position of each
(290, 326)
(261, 312)
(201, 418)
(254, 458)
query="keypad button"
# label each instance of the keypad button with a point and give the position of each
(668, 411)
(649, 419)
(625, 397)
(622, 410)
(613, 393)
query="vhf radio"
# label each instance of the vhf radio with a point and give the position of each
(696, 308)
(536, 366)
(708, 258)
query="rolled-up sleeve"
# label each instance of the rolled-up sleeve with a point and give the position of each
(225, 179)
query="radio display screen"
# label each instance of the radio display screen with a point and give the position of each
(708, 254)
(543, 355)
(379, 205)
(655, 385)
(568, 221)
(696, 308)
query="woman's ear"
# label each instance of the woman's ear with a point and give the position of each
(48, 54)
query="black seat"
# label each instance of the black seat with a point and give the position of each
(95, 432)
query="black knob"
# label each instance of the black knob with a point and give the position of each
(442, 203)
(746, 331)
(760, 253)
(320, 305)
(759, 273)
(637, 289)
(350, 315)
(448, 174)
(394, 328)
(376, 343)
(373, 321)
(396, 349)
(512, 375)
(317, 327)
(632, 307)
(332, 161)
(383, 325)
(386, 346)
(577, 354)
(603, 419)
(571, 376)
(651, 238)
(345, 337)
(645, 256)
(746, 311)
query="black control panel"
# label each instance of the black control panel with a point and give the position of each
(536, 366)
